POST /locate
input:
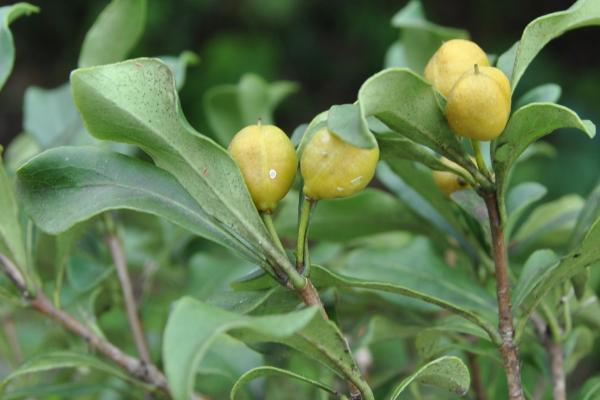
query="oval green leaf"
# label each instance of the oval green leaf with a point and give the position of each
(446, 372)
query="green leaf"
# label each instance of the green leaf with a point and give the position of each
(542, 30)
(346, 122)
(338, 220)
(8, 14)
(229, 108)
(179, 65)
(419, 37)
(446, 372)
(317, 123)
(65, 359)
(549, 225)
(193, 326)
(518, 201)
(584, 255)
(531, 274)
(395, 56)
(115, 32)
(381, 328)
(473, 205)
(578, 345)
(136, 102)
(225, 362)
(395, 147)
(527, 125)
(432, 289)
(21, 149)
(589, 213)
(320, 340)
(409, 106)
(85, 272)
(11, 236)
(99, 180)
(590, 390)
(547, 93)
(44, 390)
(50, 116)
(429, 344)
(417, 189)
(268, 370)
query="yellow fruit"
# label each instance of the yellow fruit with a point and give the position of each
(268, 162)
(449, 182)
(332, 168)
(451, 61)
(478, 106)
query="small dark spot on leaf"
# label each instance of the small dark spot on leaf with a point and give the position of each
(576, 255)
(205, 172)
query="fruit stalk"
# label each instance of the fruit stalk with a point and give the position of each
(479, 157)
(508, 348)
(268, 220)
(301, 246)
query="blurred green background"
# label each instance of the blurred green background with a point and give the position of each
(328, 47)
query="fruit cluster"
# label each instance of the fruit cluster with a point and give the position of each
(330, 167)
(478, 97)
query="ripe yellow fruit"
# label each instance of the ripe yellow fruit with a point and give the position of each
(449, 182)
(451, 61)
(268, 162)
(332, 168)
(479, 104)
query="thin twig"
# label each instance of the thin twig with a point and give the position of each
(508, 349)
(118, 257)
(478, 386)
(139, 369)
(555, 354)
(12, 337)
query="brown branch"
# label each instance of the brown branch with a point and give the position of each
(508, 349)
(310, 297)
(139, 369)
(555, 354)
(478, 386)
(118, 257)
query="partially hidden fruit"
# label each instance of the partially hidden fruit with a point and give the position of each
(449, 182)
(268, 162)
(479, 104)
(332, 168)
(451, 61)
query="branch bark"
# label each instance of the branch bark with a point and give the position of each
(118, 257)
(478, 386)
(555, 354)
(146, 372)
(509, 351)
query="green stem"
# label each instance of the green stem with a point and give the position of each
(479, 157)
(568, 321)
(268, 220)
(552, 322)
(298, 281)
(303, 224)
